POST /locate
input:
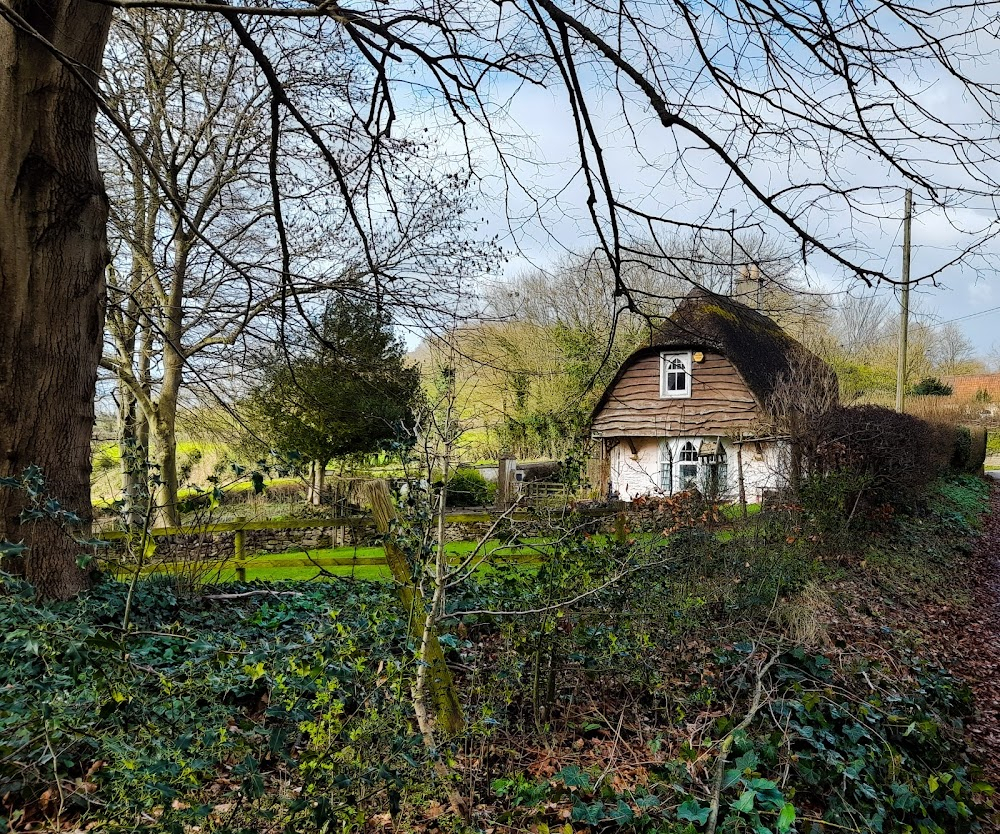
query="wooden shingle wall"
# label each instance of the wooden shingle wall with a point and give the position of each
(720, 402)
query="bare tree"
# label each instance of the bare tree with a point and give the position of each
(712, 99)
(200, 118)
(192, 222)
(952, 352)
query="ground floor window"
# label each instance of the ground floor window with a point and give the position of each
(666, 468)
(698, 463)
(687, 466)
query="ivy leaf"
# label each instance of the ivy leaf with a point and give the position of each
(573, 777)
(745, 803)
(591, 814)
(855, 733)
(691, 811)
(786, 818)
(731, 778)
(622, 813)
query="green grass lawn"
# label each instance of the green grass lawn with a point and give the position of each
(255, 573)
(369, 562)
(734, 511)
(357, 562)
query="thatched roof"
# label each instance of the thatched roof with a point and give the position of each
(762, 353)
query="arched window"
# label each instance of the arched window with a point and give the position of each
(675, 375)
(687, 467)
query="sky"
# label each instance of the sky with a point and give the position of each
(538, 203)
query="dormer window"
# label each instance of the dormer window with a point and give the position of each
(675, 375)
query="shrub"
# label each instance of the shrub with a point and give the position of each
(969, 451)
(890, 457)
(931, 386)
(993, 443)
(961, 454)
(977, 455)
(468, 488)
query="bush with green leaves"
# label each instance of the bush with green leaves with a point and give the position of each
(931, 386)
(818, 750)
(205, 712)
(468, 488)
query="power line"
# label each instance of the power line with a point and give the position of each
(970, 315)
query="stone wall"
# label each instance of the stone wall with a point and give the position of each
(220, 545)
(203, 546)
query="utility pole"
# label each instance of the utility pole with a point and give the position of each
(904, 314)
(732, 252)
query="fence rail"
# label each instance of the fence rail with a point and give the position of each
(240, 528)
(305, 524)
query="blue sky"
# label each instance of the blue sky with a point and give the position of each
(668, 173)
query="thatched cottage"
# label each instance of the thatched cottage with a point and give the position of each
(695, 407)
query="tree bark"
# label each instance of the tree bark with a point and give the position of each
(133, 442)
(132, 334)
(166, 452)
(173, 379)
(53, 253)
(317, 476)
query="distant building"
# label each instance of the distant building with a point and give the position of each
(974, 387)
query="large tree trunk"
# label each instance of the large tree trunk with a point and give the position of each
(173, 379)
(53, 253)
(132, 332)
(317, 476)
(166, 434)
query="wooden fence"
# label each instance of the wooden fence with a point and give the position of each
(240, 528)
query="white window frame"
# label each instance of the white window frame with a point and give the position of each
(687, 458)
(669, 359)
(666, 485)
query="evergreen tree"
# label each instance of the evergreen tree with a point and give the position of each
(345, 391)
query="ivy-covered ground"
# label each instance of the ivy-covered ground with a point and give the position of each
(801, 675)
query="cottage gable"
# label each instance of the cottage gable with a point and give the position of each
(684, 411)
(719, 401)
(733, 357)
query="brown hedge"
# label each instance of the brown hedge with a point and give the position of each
(894, 456)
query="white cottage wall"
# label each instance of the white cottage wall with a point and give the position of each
(638, 474)
(633, 475)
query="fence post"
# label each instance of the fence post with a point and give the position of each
(239, 541)
(447, 707)
(506, 482)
